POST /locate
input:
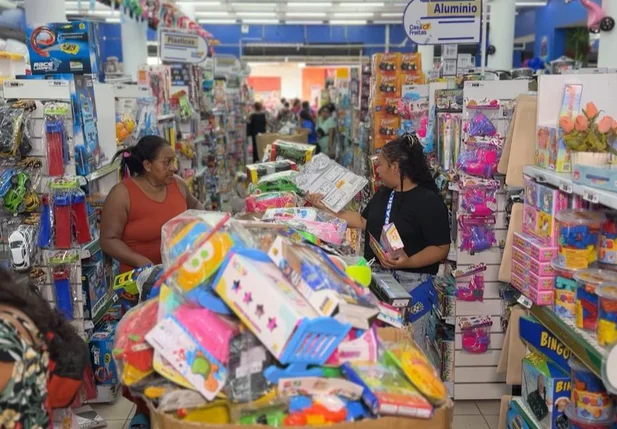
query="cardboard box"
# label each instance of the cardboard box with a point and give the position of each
(388, 290)
(265, 139)
(542, 340)
(101, 345)
(95, 290)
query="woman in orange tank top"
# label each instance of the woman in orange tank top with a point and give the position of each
(135, 211)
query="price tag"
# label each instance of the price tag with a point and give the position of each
(13, 84)
(58, 83)
(524, 301)
(565, 187)
(591, 196)
(120, 87)
(540, 178)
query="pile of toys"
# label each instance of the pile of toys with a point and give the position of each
(251, 324)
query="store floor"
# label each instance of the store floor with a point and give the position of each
(467, 414)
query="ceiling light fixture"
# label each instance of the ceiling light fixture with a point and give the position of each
(354, 15)
(199, 3)
(387, 22)
(303, 22)
(306, 14)
(362, 4)
(392, 14)
(256, 14)
(217, 21)
(260, 21)
(310, 5)
(531, 3)
(346, 22)
(112, 20)
(208, 14)
(255, 5)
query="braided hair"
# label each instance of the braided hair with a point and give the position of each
(408, 152)
(133, 158)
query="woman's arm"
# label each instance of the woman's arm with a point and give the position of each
(191, 201)
(428, 256)
(114, 218)
(353, 219)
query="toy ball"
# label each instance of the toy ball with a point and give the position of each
(360, 274)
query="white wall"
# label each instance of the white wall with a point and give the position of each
(290, 74)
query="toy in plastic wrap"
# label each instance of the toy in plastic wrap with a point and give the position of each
(480, 157)
(125, 126)
(589, 399)
(408, 358)
(476, 333)
(579, 232)
(608, 240)
(283, 181)
(607, 313)
(296, 152)
(576, 422)
(55, 115)
(586, 299)
(480, 126)
(131, 351)
(22, 245)
(470, 283)
(270, 200)
(325, 226)
(476, 233)
(565, 290)
(127, 288)
(359, 346)
(478, 196)
(15, 129)
(387, 391)
(256, 171)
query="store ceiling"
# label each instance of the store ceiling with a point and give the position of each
(335, 12)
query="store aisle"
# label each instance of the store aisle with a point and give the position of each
(467, 414)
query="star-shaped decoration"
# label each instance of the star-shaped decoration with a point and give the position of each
(259, 311)
(272, 323)
(236, 286)
(248, 298)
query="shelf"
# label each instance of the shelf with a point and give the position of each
(103, 171)
(583, 344)
(87, 250)
(525, 412)
(564, 182)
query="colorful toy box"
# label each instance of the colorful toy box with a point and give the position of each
(386, 63)
(543, 341)
(541, 269)
(542, 203)
(540, 283)
(94, 290)
(516, 418)
(64, 47)
(101, 345)
(546, 390)
(534, 248)
(391, 240)
(551, 150)
(538, 297)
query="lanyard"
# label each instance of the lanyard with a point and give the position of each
(389, 208)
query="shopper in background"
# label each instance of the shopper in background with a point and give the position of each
(409, 199)
(296, 107)
(135, 211)
(284, 115)
(306, 106)
(258, 122)
(326, 128)
(307, 122)
(31, 335)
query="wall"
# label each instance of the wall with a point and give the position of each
(290, 74)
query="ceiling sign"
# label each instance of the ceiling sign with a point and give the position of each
(182, 47)
(436, 22)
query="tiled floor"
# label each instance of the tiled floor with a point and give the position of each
(467, 414)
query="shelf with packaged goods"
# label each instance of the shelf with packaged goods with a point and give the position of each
(584, 345)
(525, 412)
(564, 182)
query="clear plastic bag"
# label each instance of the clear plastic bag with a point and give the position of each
(476, 233)
(317, 222)
(261, 202)
(480, 157)
(478, 196)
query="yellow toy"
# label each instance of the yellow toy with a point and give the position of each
(124, 128)
(69, 48)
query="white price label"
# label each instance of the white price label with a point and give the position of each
(13, 84)
(120, 87)
(524, 301)
(58, 83)
(591, 196)
(565, 187)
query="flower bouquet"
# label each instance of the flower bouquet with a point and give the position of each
(589, 137)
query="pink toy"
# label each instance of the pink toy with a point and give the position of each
(476, 233)
(268, 200)
(596, 18)
(538, 297)
(470, 283)
(533, 248)
(478, 196)
(539, 219)
(480, 157)
(531, 279)
(476, 333)
(541, 269)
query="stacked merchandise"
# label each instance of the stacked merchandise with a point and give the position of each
(268, 320)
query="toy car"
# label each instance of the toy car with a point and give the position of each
(31, 201)
(69, 48)
(20, 252)
(14, 199)
(6, 181)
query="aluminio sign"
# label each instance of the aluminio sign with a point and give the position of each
(436, 22)
(179, 47)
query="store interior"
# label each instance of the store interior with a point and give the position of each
(350, 213)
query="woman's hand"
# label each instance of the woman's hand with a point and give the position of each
(316, 200)
(401, 262)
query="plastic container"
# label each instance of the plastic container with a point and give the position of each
(580, 423)
(565, 290)
(586, 299)
(607, 253)
(607, 313)
(590, 401)
(579, 233)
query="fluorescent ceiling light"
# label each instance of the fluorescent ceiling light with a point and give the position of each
(256, 14)
(362, 4)
(346, 22)
(306, 14)
(394, 15)
(199, 3)
(217, 21)
(309, 5)
(303, 22)
(93, 12)
(254, 4)
(260, 21)
(209, 14)
(530, 3)
(354, 15)
(386, 22)
(112, 20)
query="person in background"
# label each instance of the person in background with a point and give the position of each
(408, 198)
(31, 334)
(307, 107)
(296, 107)
(307, 122)
(326, 128)
(284, 115)
(135, 211)
(258, 123)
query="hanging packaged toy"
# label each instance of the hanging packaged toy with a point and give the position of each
(478, 196)
(476, 233)
(55, 115)
(480, 157)
(470, 283)
(70, 214)
(476, 333)
(22, 244)
(15, 128)
(125, 126)
(185, 108)
(261, 202)
(63, 273)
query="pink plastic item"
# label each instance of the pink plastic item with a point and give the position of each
(476, 333)
(269, 200)
(478, 196)
(479, 159)
(596, 18)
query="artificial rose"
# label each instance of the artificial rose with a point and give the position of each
(605, 124)
(581, 123)
(614, 125)
(590, 110)
(566, 124)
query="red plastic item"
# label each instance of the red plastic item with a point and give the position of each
(315, 415)
(55, 156)
(62, 221)
(80, 219)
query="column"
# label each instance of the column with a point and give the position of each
(428, 57)
(43, 11)
(134, 45)
(503, 16)
(608, 40)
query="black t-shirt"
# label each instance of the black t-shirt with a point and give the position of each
(420, 216)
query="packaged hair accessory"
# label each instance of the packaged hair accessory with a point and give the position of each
(470, 283)
(476, 233)
(478, 196)
(480, 157)
(476, 333)
(480, 126)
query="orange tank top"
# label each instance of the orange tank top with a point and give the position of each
(142, 232)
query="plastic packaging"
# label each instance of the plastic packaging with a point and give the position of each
(608, 240)
(478, 196)
(269, 200)
(325, 226)
(297, 152)
(480, 126)
(283, 181)
(586, 299)
(480, 158)
(476, 233)
(576, 422)
(476, 333)
(55, 115)
(589, 400)
(607, 313)
(15, 128)
(579, 232)
(565, 290)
